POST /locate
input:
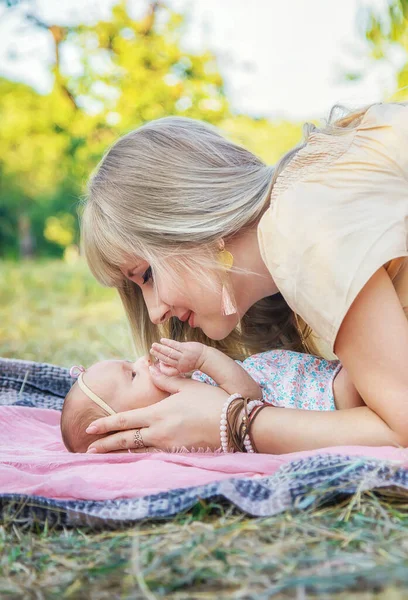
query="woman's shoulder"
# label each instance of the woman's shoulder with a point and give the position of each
(385, 114)
(338, 212)
(384, 126)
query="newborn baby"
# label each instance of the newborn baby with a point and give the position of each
(123, 384)
(280, 377)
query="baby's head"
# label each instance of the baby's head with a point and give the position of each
(120, 384)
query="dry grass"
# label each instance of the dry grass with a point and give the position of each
(356, 548)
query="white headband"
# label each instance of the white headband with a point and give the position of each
(78, 372)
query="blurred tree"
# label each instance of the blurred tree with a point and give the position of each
(127, 72)
(268, 140)
(387, 31)
(32, 153)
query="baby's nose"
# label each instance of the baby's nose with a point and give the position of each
(144, 360)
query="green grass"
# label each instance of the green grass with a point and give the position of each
(54, 312)
(355, 548)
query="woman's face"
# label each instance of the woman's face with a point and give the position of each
(189, 299)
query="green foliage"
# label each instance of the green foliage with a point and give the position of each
(266, 139)
(131, 72)
(56, 312)
(128, 72)
(60, 229)
(387, 31)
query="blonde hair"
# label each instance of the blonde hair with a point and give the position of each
(168, 192)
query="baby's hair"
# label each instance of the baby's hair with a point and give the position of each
(168, 192)
(74, 422)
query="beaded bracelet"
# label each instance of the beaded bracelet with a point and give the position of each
(245, 444)
(245, 424)
(254, 414)
(223, 422)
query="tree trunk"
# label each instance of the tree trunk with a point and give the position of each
(25, 237)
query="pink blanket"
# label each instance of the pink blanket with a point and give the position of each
(34, 461)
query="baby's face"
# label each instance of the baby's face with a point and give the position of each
(124, 385)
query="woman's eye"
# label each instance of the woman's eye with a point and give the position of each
(147, 275)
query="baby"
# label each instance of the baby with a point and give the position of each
(280, 377)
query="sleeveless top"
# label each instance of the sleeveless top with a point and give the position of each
(339, 212)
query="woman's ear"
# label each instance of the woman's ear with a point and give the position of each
(221, 245)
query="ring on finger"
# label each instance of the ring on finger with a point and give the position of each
(138, 440)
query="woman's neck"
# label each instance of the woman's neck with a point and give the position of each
(255, 282)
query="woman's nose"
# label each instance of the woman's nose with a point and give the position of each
(159, 312)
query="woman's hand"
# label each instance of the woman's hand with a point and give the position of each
(189, 418)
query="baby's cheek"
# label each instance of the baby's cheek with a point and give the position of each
(149, 394)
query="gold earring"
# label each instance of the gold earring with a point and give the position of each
(226, 259)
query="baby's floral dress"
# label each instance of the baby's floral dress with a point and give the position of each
(290, 379)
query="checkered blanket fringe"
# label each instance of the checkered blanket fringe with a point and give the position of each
(297, 485)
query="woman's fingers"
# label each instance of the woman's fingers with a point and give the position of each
(139, 417)
(133, 451)
(123, 440)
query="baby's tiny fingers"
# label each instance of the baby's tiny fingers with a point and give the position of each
(168, 352)
(167, 370)
(164, 358)
(178, 346)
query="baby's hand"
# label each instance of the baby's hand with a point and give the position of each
(179, 357)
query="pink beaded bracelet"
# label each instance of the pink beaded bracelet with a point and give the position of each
(250, 408)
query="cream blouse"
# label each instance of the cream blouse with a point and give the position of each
(338, 212)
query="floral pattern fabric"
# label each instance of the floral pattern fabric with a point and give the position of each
(290, 379)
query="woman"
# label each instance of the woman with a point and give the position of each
(327, 229)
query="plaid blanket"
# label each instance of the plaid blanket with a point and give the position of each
(318, 478)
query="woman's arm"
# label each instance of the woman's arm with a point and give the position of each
(344, 391)
(282, 430)
(372, 344)
(190, 418)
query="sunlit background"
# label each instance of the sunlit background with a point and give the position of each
(76, 74)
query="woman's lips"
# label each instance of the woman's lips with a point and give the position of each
(191, 319)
